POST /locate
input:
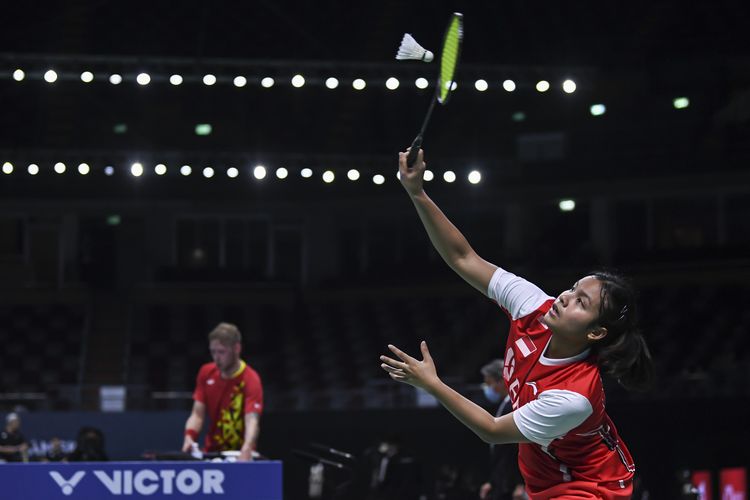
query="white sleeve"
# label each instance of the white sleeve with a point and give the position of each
(552, 415)
(516, 295)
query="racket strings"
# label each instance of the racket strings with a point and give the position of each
(449, 58)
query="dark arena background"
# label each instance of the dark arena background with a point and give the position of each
(167, 166)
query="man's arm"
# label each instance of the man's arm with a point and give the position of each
(445, 237)
(194, 425)
(252, 429)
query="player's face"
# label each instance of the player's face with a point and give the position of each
(14, 425)
(225, 356)
(575, 310)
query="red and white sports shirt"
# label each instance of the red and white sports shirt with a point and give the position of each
(227, 401)
(558, 404)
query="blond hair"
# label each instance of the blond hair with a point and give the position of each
(226, 333)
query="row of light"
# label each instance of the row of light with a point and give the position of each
(392, 83)
(259, 172)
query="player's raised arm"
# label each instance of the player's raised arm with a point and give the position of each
(445, 237)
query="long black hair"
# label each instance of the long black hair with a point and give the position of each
(623, 352)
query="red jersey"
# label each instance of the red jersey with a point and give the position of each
(558, 404)
(227, 401)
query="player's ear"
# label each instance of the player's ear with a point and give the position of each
(597, 334)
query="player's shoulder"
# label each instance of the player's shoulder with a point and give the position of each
(250, 372)
(207, 369)
(585, 379)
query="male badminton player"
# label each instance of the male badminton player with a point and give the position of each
(230, 392)
(556, 349)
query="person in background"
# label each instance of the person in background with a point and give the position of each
(13, 445)
(505, 482)
(55, 452)
(89, 446)
(230, 392)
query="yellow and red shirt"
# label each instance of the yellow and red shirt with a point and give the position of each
(227, 402)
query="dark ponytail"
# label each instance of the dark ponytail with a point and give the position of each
(623, 352)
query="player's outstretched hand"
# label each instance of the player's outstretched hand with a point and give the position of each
(412, 178)
(410, 370)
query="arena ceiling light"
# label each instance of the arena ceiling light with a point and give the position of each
(359, 84)
(428, 175)
(332, 82)
(680, 102)
(567, 205)
(421, 83)
(84, 169)
(143, 78)
(115, 79)
(232, 172)
(298, 81)
(87, 77)
(598, 109)
(569, 86)
(109, 170)
(259, 172)
(378, 179)
(509, 85)
(475, 177)
(60, 167)
(209, 79)
(542, 86)
(306, 173)
(160, 169)
(481, 85)
(353, 174)
(136, 169)
(33, 169)
(175, 80)
(328, 176)
(449, 176)
(7, 167)
(208, 172)
(282, 173)
(19, 75)
(392, 83)
(186, 170)
(239, 81)
(267, 82)
(50, 76)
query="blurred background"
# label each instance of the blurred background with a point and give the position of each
(169, 166)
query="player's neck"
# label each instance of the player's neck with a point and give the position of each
(232, 371)
(560, 349)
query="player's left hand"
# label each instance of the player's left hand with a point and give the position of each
(410, 370)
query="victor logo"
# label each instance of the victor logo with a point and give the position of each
(67, 485)
(148, 481)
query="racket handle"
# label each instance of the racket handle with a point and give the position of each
(414, 151)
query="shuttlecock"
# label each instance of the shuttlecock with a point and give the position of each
(410, 49)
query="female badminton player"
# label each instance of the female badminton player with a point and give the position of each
(556, 349)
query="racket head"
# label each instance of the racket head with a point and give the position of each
(449, 56)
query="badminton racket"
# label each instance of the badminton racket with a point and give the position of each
(449, 54)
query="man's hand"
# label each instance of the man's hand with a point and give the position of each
(484, 490)
(187, 444)
(519, 493)
(246, 455)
